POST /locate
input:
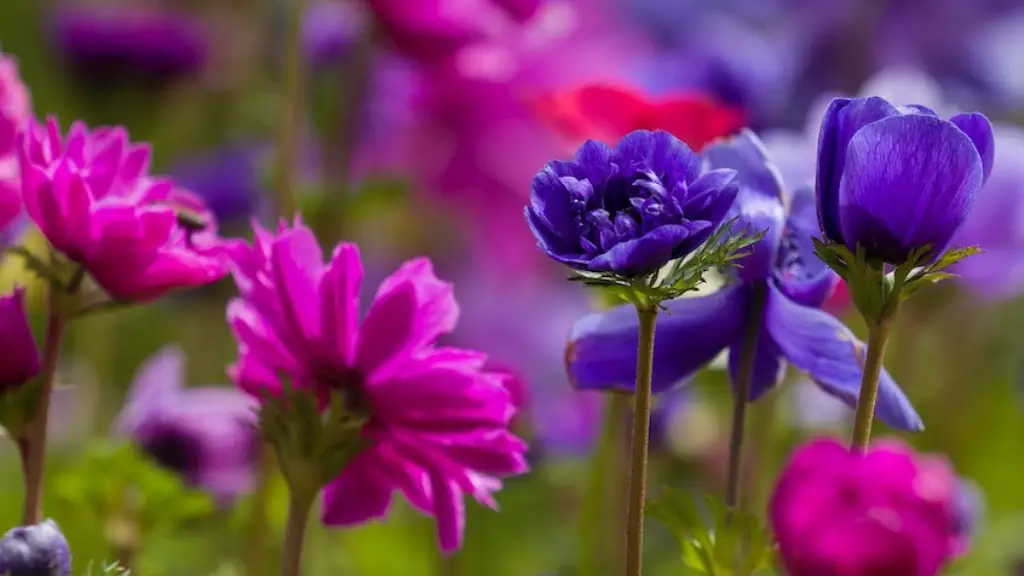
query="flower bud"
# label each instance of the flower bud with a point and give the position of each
(38, 550)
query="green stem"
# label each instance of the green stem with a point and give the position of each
(600, 547)
(291, 119)
(35, 448)
(256, 531)
(647, 314)
(878, 337)
(300, 503)
(748, 356)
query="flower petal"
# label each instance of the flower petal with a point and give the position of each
(909, 181)
(339, 302)
(825, 349)
(156, 383)
(769, 366)
(659, 151)
(357, 495)
(746, 154)
(758, 213)
(651, 251)
(979, 130)
(601, 354)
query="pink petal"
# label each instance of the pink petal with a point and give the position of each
(357, 495)
(339, 302)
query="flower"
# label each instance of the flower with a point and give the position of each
(628, 210)
(37, 550)
(607, 113)
(602, 348)
(228, 179)
(438, 421)
(90, 195)
(15, 112)
(996, 224)
(893, 180)
(968, 512)
(20, 355)
(888, 511)
(207, 435)
(111, 43)
(329, 30)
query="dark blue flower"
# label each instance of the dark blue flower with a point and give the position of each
(693, 331)
(38, 550)
(627, 210)
(895, 179)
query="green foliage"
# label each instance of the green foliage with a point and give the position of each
(730, 544)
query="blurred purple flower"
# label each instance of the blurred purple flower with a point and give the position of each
(329, 29)
(968, 513)
(104, 44)
(15, 112)
(37, 550)
(996, 224)
(228, 179)
(19, 362)
(525, 330)
(206, 434)
(814, 409)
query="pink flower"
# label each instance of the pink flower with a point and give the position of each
(439, 421)
(15, 110)
(19, 357)
(91, 196)
(884, 513)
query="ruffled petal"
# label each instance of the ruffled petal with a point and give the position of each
(651, 251)
(339, 302)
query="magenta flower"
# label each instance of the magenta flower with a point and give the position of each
(438, 427)
(15, 111)
(889, 511)
(19, 357)
(206, 434)
(90, 195)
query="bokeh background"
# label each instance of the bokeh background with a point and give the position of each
(419, 137)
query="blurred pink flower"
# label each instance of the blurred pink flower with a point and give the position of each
(206, 434)
(477, 142)
(888, 511)
(19, 362)
(438, 427)
(15, 111)
(91, 196)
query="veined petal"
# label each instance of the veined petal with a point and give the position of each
(601, 354)
(979, 130)
(909, 181)
(746, 154)
(758, 213)
(825, 349)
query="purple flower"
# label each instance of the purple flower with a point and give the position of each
(968, 512)
(438, 419)
(15, 113)
(329, 30)
(37, 550)
(229, 179)
(628, 210)
(207, 435)
(996, 224)
(602, 349)
(17, 345)
(893, 180)
(107, 43)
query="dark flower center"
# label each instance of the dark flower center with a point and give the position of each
(795, 258)
(175, 450)
(626, 207)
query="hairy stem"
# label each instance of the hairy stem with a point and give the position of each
(878, 337)
(641, 431)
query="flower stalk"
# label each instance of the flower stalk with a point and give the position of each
(647, 313)
(300, 502)
(748, 355)
(878, 338)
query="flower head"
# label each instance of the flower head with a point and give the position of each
(628, 210)
(607, 113)
(19, 353)
(91, 196)
(896, 179)
(889, 511)
(38, 550)
(15, 112)
(438, 420)
(793, 328)
(206, 435)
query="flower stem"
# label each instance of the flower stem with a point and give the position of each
(299, 504)
(878, 337)
(34, 460)
(600, 547)
(748, 356)
(256, 531)
(647, 314)
(291, 118)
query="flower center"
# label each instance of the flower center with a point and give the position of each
(175, 450)
(795, 259)
(628, 208)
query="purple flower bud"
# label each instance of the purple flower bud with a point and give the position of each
(895, 179)
(38, 550)
(19, 357)
(628, 210)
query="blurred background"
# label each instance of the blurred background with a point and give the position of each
(423, 122)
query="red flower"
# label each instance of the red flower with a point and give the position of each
(607, 113)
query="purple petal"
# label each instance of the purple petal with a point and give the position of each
(748, 156)
(660, 151)
(909, 181)
(801, 275)
(758, 213)
(651, 251)
(768, 363)
(593, 160)
(979, 130)
(601, 354)
(842, 120)
(711, 196)
(156, 383)
(833, 357)
(357, 495)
